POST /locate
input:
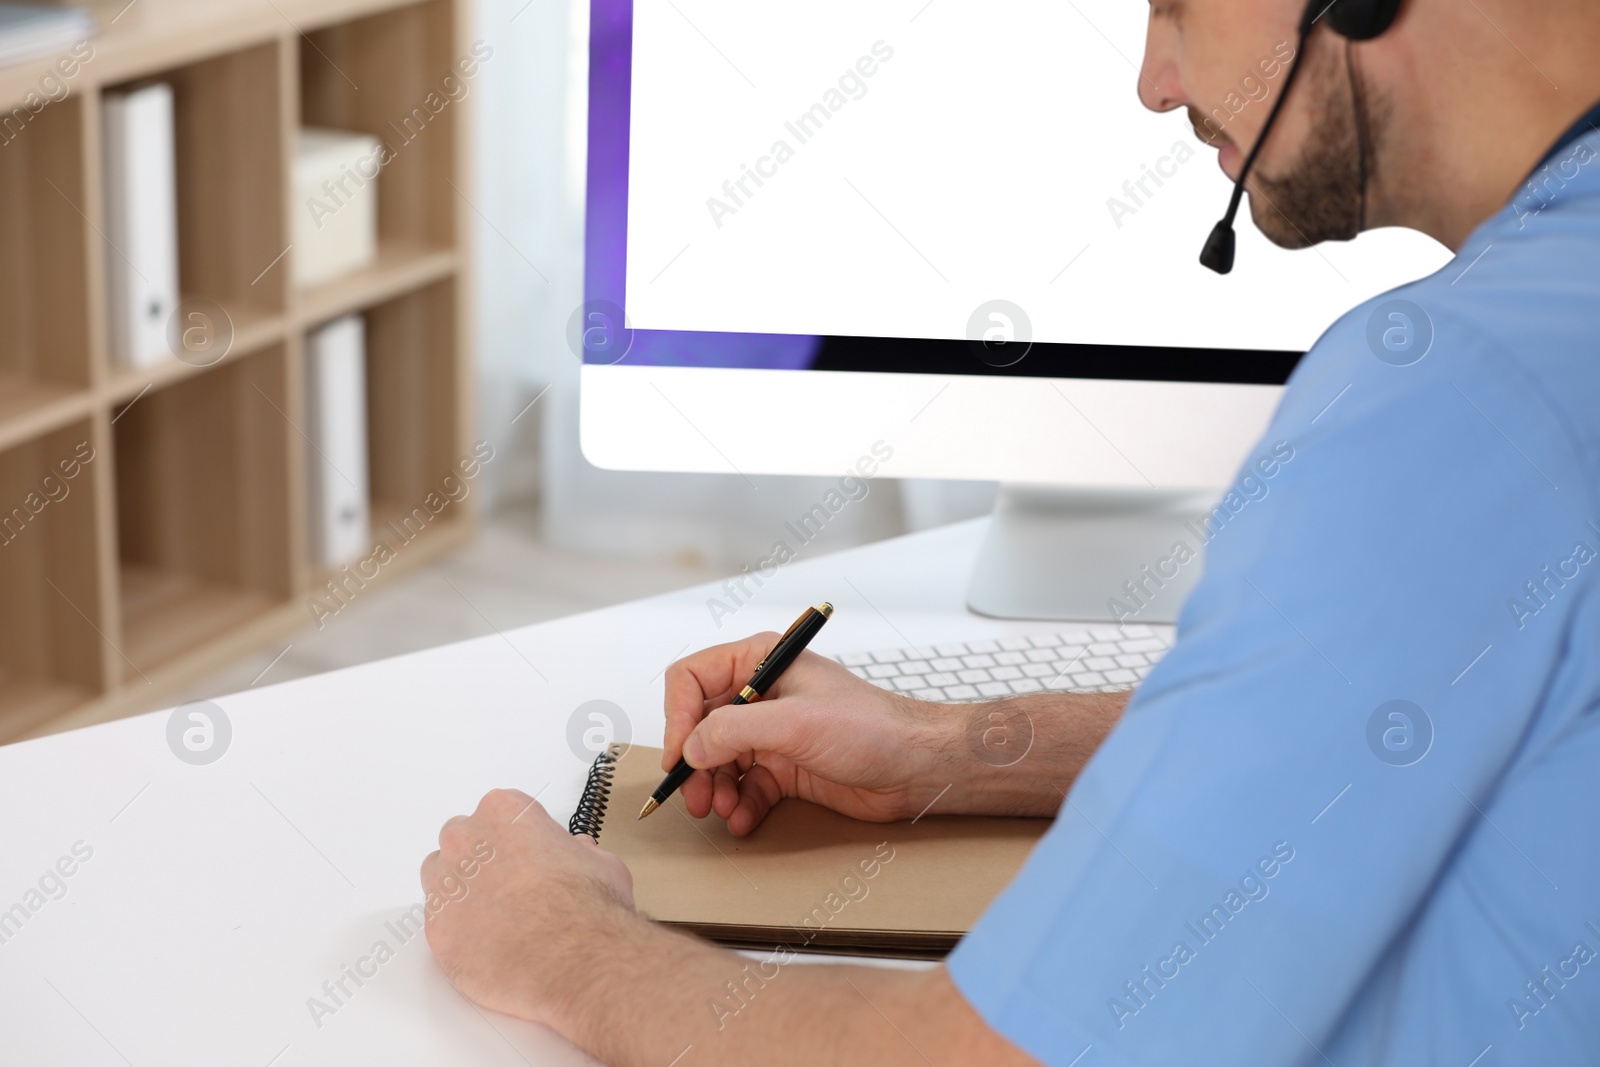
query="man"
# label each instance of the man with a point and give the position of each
(1354, 816)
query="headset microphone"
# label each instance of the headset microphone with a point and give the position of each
(1356, 20)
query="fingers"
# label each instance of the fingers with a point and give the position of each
(696, 793)
(430, 868)
(505, 805)
(734, 730)
(758, 793)
(711, 675)
(725, 789)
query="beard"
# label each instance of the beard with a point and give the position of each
(1319, 196)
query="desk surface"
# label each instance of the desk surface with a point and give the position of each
(217, 899)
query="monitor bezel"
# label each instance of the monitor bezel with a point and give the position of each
(605, 273)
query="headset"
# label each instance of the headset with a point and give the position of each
(1354, 20)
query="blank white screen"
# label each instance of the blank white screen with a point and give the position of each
(977, 164)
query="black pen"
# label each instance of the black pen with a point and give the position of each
(786, 651)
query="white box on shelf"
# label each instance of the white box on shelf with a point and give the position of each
(335, 214)
(141, 223)
(336, 417)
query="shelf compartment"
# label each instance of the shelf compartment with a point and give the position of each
(412, 398)
(52, 655)
(228, 144)
(203, 506)
(409, 88)
(44, 256)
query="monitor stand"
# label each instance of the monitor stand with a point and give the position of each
(1118, 555)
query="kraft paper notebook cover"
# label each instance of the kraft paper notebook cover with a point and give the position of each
(807, 877)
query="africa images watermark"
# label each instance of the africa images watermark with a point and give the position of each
(1137, 192)
(343, 588)
(51, 886)
(403, 928)
(853, 887)
(52, 88)
(1166, 167)
(1539, 591)
(1137, 592)
(1546, 184)
(851, 85)
(51, 490)
(1544, 987)
(851, 488)
(337, 191)
(1252, 888)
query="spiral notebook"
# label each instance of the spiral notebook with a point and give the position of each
(807, 878)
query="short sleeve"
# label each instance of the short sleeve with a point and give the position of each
(1369, 652)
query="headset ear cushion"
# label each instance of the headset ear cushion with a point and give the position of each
(1361, 20)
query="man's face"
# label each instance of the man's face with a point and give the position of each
(1226, 61)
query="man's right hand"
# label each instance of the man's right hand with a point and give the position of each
(820, 733)
(827, 736)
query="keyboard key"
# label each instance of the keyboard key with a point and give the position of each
(994, 689)
(1043, 655)
(973, 676)
(1148, 644)
(1014, 644)
(939, 678)
(856, 659)
(921, 652)
(947, 663)
(1099, 663)
(1089, 678)
(906, 683)
(1122, 676)
(929, 694)
(1076, 637)
(982, 646)
(1105, 633)
(951, 650)
(1131, 659)
(1010, 659)
(889, 655)
(882, 670)
(1104, 648)
(1071, 652)
(1026, 685)
(1034, 670)
(1004, 674)
(978, 660)
(858, 672)
(960, 692)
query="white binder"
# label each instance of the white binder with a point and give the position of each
(336, 407)
(141, 223)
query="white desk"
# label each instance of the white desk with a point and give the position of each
(219, 898)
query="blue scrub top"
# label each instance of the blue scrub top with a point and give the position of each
(1353, 818)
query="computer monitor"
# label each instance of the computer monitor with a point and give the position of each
(947, 240)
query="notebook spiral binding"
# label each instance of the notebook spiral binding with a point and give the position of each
(591, 810)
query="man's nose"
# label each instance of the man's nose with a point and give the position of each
(1160, 89)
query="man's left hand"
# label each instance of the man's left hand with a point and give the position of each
(512, 901)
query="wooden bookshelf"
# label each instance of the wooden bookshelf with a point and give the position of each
(181, 541)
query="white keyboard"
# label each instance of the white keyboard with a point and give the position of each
(1085, 659)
